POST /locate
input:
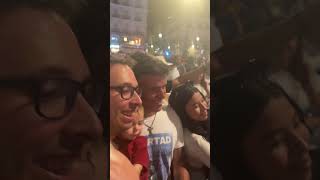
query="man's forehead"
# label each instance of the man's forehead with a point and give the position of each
(121, 74)
(32, 41)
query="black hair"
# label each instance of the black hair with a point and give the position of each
(240, 100)
(148, 65)
(178, 99)
(123, 59)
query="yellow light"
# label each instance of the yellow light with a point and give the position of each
(198, 38)
(125, 39)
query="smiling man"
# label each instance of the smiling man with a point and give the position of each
(124, 102)
(48, 125)
(162, 126)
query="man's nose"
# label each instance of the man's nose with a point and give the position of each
(136, 99)
(82, 125)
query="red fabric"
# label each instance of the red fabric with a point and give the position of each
(137, 152)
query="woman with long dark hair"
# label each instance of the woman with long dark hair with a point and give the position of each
(192, 108)
(259, 132)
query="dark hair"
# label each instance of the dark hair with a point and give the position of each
(178, 99)
(68, 9)
(149, 65)
(239, 102)
(121, 59)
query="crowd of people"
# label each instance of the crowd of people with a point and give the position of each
(157, 132)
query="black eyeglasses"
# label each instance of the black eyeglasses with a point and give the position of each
(126, 91)
(55, 98)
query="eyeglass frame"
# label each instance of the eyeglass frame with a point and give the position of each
(119, 89)
(32, 86)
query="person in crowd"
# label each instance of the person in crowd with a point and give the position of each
(198, 76)
(124, 103)
(162, 126)
(49, 126)
(259, 131)
(191, 106)
(201, 84)
(134, 146)
(293, 74)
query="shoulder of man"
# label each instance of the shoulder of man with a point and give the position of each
(172, 115)
(119, 164)
(174, 118)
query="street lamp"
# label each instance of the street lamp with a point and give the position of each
(151, 45)
(169, 47)
(160, 35)
(198, 39)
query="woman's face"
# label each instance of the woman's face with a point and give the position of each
(197, 108)
(277, 146)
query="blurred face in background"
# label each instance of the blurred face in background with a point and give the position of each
(277, 146)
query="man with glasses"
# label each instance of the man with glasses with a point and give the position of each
(124, 102)
(48, 123)
(162, 125)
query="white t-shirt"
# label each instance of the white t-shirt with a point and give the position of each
(167, 135)
(197, 149)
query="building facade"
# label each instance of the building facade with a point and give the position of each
(128, 25)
